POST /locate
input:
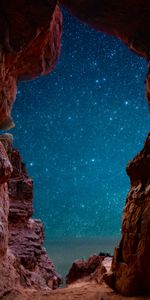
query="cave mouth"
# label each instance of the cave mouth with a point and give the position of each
(82, 135)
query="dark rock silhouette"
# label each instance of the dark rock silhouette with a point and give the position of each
(131, 262)
(128, 20)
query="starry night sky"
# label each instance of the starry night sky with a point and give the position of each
(78, 127)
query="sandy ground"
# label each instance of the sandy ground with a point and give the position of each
(81, 290)
(78, 291)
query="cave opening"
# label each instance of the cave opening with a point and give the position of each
(83, 122)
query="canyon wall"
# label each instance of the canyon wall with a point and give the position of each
(8, 274)
(131, 263)
(30, 39)
(23, 258)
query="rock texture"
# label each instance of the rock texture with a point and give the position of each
(82, 291)
(8, 274)
(131, 263)
(30, 38)
(30, 35)
(23, 258)
(92, 268)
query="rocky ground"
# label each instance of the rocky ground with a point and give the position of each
(86, 288)
(77, 291)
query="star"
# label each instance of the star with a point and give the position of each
(126, 102)
(76, 129)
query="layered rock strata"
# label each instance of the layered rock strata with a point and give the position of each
(21, 237)
(131, 263)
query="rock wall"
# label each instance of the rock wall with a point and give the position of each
(23, 258)
(8, 274)
(30, 38)
(131, 263)
(91, 269)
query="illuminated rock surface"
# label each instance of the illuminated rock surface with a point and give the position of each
(92, 268)
(23, 259)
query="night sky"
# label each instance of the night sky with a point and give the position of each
(77, 128)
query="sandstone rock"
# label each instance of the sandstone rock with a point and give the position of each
(5, 173)
(8, 274)
(23, 258)
(131, 263)
(5, 165)
(81, 269)
(30, 38)
(110, 279)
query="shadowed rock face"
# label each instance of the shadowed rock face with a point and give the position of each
(131, 264)
(23, 258)
(128, 20)
(30, 35)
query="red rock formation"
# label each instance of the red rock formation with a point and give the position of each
(8, 274)
(131, 263)
(22, 236)
(30, 35)
(92, 268)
